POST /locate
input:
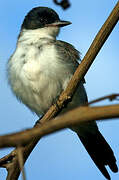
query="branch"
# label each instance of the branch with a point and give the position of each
(21, 161)
(71, 118)
(13, 165)
(110, 97)
(86, 62)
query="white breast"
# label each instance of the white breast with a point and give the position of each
(36, 76)
(37, 73)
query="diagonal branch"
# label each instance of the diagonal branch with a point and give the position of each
(13, 166)
(88, 59)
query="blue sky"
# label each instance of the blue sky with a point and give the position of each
(61, 155)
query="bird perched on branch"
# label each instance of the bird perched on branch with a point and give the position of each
(40, 69)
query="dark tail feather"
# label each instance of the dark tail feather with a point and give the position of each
(100, 152)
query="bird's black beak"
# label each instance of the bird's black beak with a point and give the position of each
(59, 24)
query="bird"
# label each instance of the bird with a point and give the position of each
(41, 67)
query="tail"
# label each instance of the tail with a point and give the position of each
(100, 152)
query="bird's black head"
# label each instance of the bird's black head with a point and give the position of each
(40, 17)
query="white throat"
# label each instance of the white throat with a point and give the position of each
(35, 35)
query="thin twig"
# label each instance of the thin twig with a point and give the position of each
(110, 97)
(4, 162)
(21, 161)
